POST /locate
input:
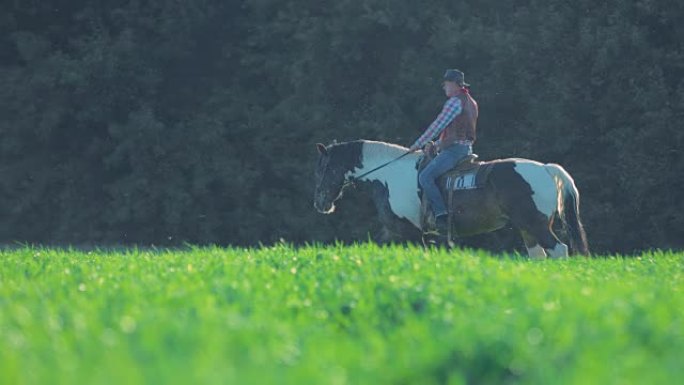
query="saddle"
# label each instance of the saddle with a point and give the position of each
(468, 174)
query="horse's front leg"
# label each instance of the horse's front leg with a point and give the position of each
(394, 229)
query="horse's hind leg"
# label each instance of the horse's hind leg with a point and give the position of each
(534, 250)
(540, 235)
(560, 250)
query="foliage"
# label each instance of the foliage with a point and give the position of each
(360, 315)
(163, 122)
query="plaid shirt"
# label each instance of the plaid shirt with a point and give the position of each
(452, 107)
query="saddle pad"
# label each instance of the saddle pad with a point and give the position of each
(471, 178)
(461, 182)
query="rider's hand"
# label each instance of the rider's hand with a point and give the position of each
(430, 148)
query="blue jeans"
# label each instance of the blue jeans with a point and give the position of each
(442, 163)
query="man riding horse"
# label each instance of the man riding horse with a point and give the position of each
(455, 126)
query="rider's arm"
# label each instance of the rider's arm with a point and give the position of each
(452, 107)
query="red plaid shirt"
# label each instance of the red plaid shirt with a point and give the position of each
(452, 107)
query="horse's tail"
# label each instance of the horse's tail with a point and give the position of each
(568, 208)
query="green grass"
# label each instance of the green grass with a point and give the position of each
(338, 315)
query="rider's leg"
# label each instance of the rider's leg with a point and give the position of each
(438, 166)
(428, 181)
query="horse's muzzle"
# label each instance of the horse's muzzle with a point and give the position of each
(322, 203)
(324, 208)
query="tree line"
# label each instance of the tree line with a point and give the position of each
(161, 122)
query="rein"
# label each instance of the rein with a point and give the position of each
(351, 181)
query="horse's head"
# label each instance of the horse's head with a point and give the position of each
(335, 165)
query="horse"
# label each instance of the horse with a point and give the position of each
(524, 193)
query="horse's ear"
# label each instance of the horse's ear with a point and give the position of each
(321, 149)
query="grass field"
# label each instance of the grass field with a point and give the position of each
(338, 315)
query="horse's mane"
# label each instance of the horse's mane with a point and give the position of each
(385, 145)
(377, 147)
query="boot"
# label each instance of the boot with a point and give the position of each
(438, 234)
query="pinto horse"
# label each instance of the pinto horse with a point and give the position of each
(524, 193)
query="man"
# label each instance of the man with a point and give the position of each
(455, 126)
